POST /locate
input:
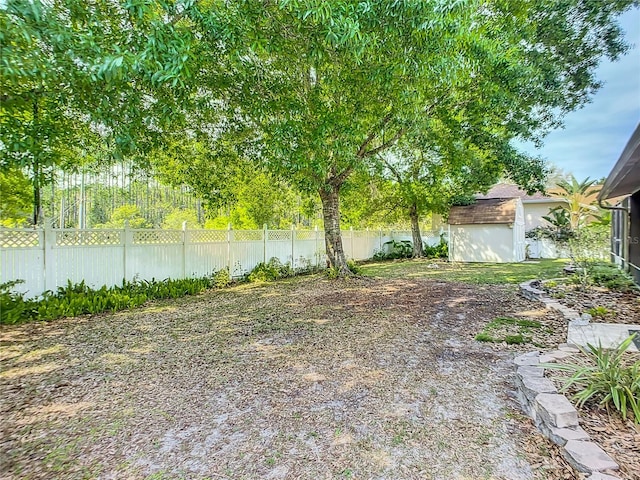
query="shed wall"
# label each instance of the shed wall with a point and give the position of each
(482, 243)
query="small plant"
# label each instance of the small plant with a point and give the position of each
(485, 337)
(512, 331)
(437, 251)
(599, 312)
(72, 299)
(607, 379)
(551, 284)
(273, 270)
(221, 278)
(13, 306)
(354, 267)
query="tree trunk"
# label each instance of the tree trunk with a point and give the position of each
(418, 251)
(37, 197)
(329, 195)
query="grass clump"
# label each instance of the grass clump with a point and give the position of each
(512, 331)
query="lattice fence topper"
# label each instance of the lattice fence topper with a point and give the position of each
(157, 236)
(66, 238)
(205, 236)
(19, 238)
(307, 234)
(279, 235)
(365, 234)
(247, 235)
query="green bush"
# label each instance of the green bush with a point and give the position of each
(606, 379)
(610, 276)
(437, 251)
(393, 250)
(79, 299)
(354, 267)
(13, 306)
(273, 270)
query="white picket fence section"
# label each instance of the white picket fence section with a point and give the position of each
(48, 258)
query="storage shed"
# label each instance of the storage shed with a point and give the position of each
(490, 230)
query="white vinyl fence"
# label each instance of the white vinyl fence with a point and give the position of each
(47, 258)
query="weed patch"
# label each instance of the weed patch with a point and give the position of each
(512, 331)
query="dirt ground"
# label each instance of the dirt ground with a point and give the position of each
(302, 379)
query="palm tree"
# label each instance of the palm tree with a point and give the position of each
(579, 206)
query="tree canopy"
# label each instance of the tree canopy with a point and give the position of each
(312, 91)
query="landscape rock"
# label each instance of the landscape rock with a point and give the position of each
(602, 476)
(534, 386)
(588, 457)
(530, 358)
(530, 371)
(560, 436)
(556, 410)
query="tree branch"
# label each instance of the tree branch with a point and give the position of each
(385, 145)
(363, 148)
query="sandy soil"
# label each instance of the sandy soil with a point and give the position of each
(302, 379)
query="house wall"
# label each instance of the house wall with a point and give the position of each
(481, 243)
(533, 213)
(634, 236)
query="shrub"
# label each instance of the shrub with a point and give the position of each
(437, 251)
(79, 299)
(274, 269)
(393, 250)
(354, 267)
(610, 276)
(607, 379)
(13, 306)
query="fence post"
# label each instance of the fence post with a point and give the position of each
(317, 249)
(48, 256)
(353, 256)
(229, 249)
(293, 239)
(184, 249)
(265, 232)
(128, 241)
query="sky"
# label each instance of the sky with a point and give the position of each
(595, 136)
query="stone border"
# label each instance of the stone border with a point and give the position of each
(552, 413)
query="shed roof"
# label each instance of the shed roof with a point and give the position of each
(485, 211)
(624, 179)
(508, 190)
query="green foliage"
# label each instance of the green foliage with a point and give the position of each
(176, 218)
(607, 379)
(610, 276)
(221, 278)
(599, 312)
(126, 213)
(13, 306)
(16, 198)
(354, 267)
(579, 200)
(79, 299)
(437, 251)
(273, 270)
(394, 249)
(589, 244)
(512, 331)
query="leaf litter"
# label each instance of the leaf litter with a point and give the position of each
(304, 378)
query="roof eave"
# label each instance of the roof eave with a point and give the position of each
(624, 178)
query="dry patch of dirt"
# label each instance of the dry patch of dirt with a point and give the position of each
(301, 379)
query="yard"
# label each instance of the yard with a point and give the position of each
(373, 377)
